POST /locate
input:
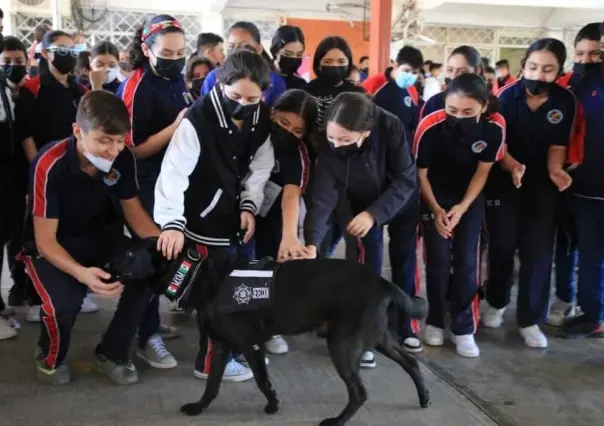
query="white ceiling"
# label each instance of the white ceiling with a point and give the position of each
(512, 13)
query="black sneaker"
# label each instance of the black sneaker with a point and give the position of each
(582, 327)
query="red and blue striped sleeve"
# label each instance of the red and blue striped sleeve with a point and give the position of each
(45, 181)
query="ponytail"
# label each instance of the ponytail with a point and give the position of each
(151, 29)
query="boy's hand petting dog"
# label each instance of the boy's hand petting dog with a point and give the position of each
(248, 223)
(93, 279)
(361, 224)
(170, 243)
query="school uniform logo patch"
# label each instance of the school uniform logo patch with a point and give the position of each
(407, 101)
(478, 146)
(555, 116)
(112, 177)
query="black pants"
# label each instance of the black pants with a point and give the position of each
(522, 219)
(463, 249)
(62, 297)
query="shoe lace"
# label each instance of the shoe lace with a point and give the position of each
(157, 344)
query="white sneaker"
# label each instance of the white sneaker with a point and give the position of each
(412, 345)
(434, 336)
(534, 337)
(233, 372)
(156, 354)
(368, 360)
(559, 310)
(241, 360)
(6, 330)
(466, 345)
(88, 306)
(33, 314)
(276, 345)
(493, 317)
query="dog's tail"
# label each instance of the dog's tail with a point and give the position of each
(415, 307)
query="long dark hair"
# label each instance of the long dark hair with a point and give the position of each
(253, 30)
(105, 48)
(474, 86)
(353, 111)
(300, 103)
(245, 64)
(471, 55)
(284, 35)
(556, 47)
(147, 34)
(328, 43)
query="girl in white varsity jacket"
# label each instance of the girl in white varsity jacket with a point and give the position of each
(212, 178)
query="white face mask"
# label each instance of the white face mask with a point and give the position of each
(112, 74)
(100, 163)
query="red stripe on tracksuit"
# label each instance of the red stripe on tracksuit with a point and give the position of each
(128, 94)
(50, 320)
(42, 171)
(418, 280)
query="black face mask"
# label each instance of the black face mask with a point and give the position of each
(170, 68)
(1, 43)
(125, 66)
(15, 73)
(537, 87)
(593, 69)
(289, 66)
(237, 111)
(352, 150)
(333, 75)
(282, 139)
(448, 80)
(457, 126)
(196, 86)
(64, 63)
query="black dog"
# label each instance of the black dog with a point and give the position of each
(350, 298)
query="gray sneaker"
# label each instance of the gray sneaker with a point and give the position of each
(155, 354)
(121, 374)
(60, 375)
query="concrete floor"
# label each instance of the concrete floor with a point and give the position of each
(508, 385)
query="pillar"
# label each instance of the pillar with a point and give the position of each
(380, 28)
(57, 17)
(9, 19)
(212, 22)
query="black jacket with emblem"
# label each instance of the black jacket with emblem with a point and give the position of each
(212, 171)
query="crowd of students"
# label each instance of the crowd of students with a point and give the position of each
(234, 152)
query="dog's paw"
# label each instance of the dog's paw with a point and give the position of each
(331, 422)
(271, 407)
(425, 400)
(193, 409)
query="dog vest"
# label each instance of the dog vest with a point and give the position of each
(249, 287)
(182, 276)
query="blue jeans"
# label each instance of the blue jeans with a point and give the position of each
(589, 219)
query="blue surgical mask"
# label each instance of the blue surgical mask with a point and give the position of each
(405, 79)
(81, 47)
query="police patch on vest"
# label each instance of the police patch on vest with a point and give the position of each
(555, 116)
(478, 146)
(112, 177)
(407, 101)
(247, 288)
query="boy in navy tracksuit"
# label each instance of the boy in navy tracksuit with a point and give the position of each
(395, 92)
(524, 193)
(74, 187)
(587, 190)
(364, 162)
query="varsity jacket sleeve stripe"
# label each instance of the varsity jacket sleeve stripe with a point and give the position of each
(261, 166)
(179, 162)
